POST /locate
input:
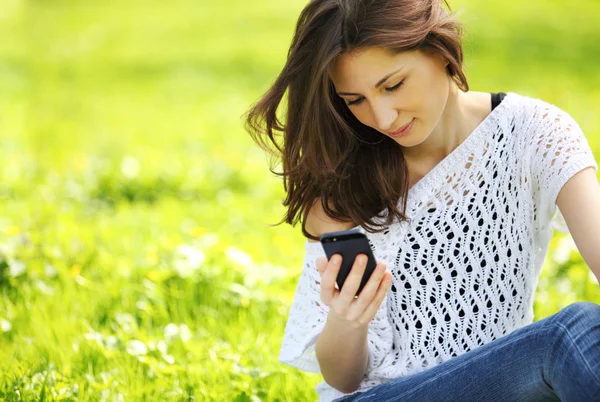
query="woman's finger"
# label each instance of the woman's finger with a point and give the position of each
(328, 279)
(368, 292)
(321, 264)
(353, 279)
(382, 290)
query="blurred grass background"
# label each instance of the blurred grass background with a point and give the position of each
(136, 257)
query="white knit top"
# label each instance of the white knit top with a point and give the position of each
(466, 264)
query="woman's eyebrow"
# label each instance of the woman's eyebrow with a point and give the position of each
(379, 83)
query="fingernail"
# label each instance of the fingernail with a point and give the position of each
(336, 259)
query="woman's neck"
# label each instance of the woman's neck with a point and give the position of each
(464, 111)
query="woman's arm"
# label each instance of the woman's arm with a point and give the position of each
(342, 349)
(579, 203)
(342, 352)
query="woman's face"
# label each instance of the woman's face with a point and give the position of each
(389, 91)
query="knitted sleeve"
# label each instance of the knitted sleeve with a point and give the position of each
(308, 315)
(559, 150)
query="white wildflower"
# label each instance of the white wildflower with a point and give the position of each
(16, 267)
(238, 257)
(126, 322)
(130, 167)
(142, 305)
(187, 260)
(94, 336)
(67, 392)
(5, 325)
(563, 285)
(136, 348)
(174, 331)
(564, 249)
(111, 342)
(162, 347)
(184, 333)
(74, 190)
(41, 285)
(50, 271)
(209, 240)
(171, 331)
(38, 377)
(104, 394)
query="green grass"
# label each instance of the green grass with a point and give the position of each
(137, 258)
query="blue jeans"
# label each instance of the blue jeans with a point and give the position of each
(554, 359)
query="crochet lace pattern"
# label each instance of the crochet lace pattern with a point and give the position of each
(466, 264)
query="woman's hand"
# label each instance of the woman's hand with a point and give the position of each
(356, 311)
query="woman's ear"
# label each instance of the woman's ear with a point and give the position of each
(441, 59)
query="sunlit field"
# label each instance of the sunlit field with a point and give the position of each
(137, 256)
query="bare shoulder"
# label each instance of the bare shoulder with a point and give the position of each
(481, 103)
(317, 222)
(479, 106)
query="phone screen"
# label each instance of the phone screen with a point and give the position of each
(349, 244)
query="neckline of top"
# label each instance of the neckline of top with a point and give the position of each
(459, 153)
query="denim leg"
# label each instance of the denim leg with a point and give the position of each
(557, 358)
(573, 362)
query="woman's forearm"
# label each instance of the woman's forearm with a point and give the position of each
(342, 352)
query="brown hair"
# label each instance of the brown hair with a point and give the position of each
(328, 156)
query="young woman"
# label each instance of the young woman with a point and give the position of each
(457, 191)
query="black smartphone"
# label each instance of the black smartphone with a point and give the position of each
(349, 244)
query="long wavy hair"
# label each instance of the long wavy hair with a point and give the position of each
(357, 174)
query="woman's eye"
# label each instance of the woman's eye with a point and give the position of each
(395, 87)
(391, 89)
(355, 102)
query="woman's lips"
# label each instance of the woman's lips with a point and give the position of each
(403, 130)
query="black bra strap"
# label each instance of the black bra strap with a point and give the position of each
(497, 98)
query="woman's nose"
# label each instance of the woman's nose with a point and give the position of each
(385, 116)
